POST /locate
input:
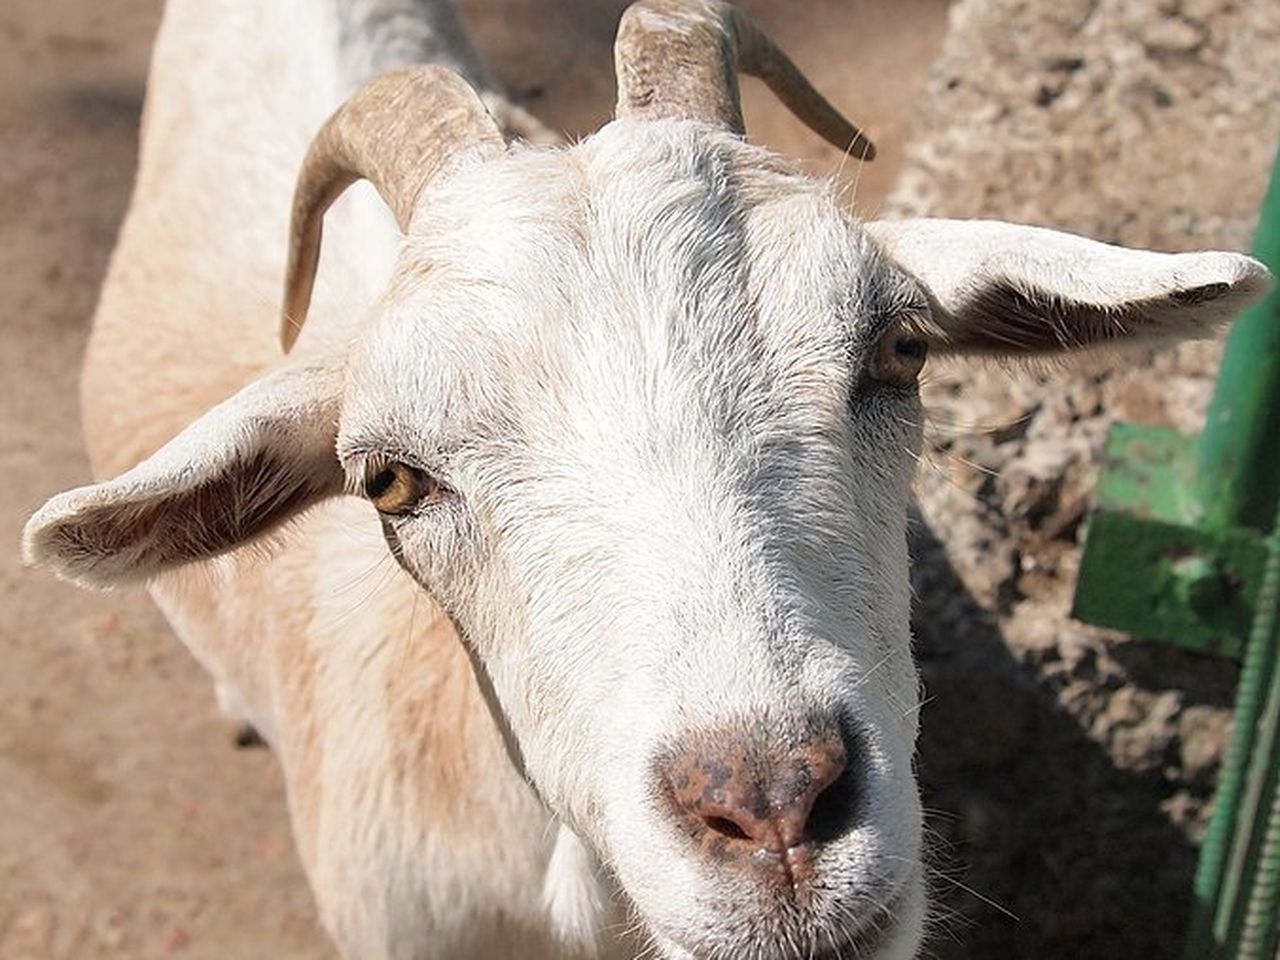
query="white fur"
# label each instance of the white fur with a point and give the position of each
(577, 895)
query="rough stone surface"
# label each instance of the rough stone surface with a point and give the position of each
(1067, 769)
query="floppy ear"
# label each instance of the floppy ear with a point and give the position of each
(245, 467)
(1004, 289)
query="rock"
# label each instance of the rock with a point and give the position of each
(1202, 740)
(1174, 35)
(1187, 813)
(1138, 727)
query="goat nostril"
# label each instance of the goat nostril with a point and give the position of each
(831, 815)
(743, 794)
(726, 827)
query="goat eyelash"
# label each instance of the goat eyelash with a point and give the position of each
(363, 460)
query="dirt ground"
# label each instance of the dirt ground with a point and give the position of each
(129, 825)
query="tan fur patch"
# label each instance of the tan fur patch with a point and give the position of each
(438, 730)
(298, 666)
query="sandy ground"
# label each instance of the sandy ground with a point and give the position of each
(129, 825)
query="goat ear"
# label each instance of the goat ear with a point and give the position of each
(241, 470)
(1003, 289)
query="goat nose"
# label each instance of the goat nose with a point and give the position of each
(740, 797)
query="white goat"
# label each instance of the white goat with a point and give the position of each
(636, 418)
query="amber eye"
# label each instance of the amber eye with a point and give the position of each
(898, 357)
(398, 488)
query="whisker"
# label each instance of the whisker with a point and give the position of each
(934, 467)
(960, 885)
(871, 672)
(918, 707)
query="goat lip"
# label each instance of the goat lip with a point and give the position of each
(871, 935)
(865, 942)
(874, 931)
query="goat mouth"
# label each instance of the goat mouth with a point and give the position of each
(868, 938)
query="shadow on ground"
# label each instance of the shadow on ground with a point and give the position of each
(1042, 846)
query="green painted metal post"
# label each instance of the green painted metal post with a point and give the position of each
(1237, 463)
(1260, 938)
(1242, 929)
(1217, 890)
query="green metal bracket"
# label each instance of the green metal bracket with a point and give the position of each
(1146, 569)
(1184, 546)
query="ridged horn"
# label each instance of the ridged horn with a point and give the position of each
(396, 132)
(681, 59)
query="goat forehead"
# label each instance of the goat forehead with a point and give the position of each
(651, 265)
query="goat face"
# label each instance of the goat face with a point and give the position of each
(641, 443)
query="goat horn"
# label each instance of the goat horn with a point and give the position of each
(681, 58)
(396, 131)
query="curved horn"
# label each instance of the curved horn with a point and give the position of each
(681, 58)
(396, 131)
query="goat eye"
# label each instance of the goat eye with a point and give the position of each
(898, 358)
(397, 488)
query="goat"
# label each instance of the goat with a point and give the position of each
(561, 556)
